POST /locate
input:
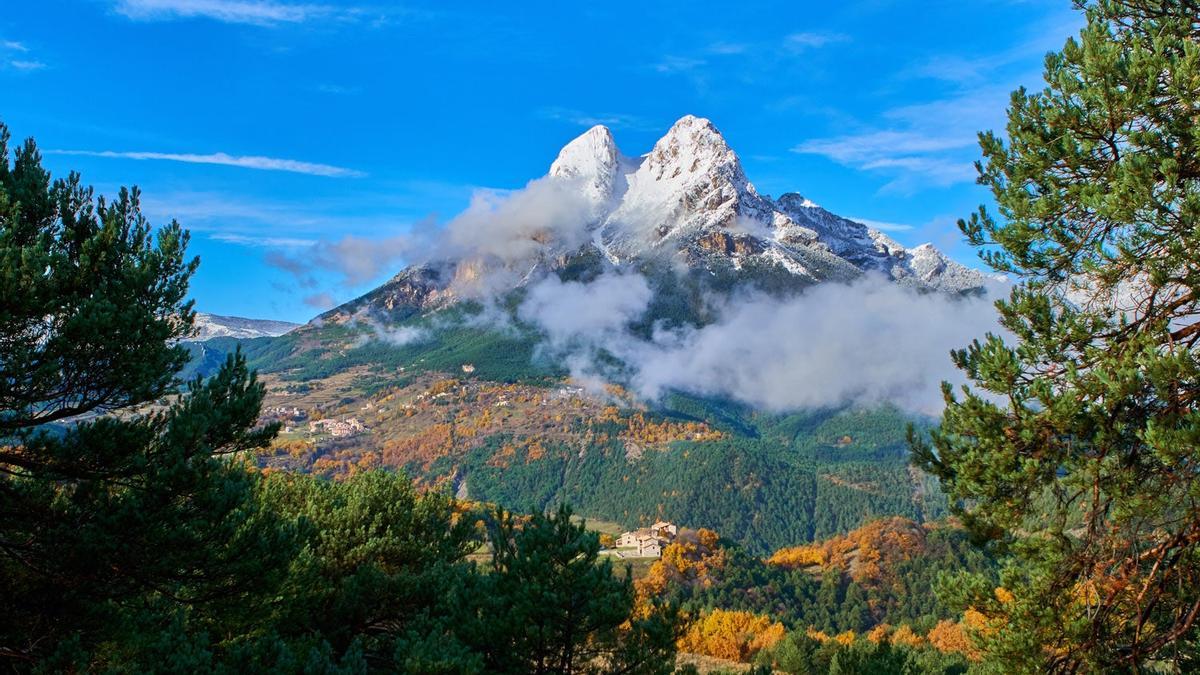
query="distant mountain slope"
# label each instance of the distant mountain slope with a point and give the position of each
(214, 325)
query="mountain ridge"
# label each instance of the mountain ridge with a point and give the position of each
(686, 205)
(209, 326)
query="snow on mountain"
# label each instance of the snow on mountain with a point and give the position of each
(593, 160)
(690, 196)
(214, 325)
(686, 203)
(691, 182)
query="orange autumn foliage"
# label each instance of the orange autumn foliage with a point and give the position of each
(799, 556)
(868, 554)
(731, 635)
(650, 432)
(949, 637)
(694, 558)
(880, 633)
(904, 635)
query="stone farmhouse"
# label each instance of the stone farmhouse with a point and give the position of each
(649, 541)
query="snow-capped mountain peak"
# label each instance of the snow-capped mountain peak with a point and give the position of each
(691, 197)
(594, 160)
(214, 325)
(690, 182)
(689, 203)
(692, 147)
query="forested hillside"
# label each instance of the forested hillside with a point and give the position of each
(514, 432)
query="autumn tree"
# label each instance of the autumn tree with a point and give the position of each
(731, 635)
(1076, 450)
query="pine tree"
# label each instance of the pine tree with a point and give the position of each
(551, 606)
(1077, 449)
(114, 530)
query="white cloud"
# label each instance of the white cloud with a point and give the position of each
(868, 342)
(812, 40)
(397, 336)
(572, 311)
(585, 119)
(875, 145)
(320, 301)
(223, 159)
(337, 89)
(934, 143)
(26, 65)
(356, 260)
(727, 48)
(21, 64)
(268, 242)
(254, 12)
(931, 144)
(882, 225)
(502, 236)
(678, 64)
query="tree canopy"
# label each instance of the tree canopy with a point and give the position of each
(1076, 449)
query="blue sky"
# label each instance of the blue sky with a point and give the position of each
(264, 126)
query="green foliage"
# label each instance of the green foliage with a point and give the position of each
(120, 521)
(834, 601)
(90, 300)
(380, 569)
(1077, 449)
(142, 542)
(775, 481)
(804, 655)
(563, 609)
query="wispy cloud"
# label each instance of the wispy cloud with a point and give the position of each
(678, 64)
(934, 143)
(25, 65)
(869, 147)
(8, 48)
(337, 89)
(320, 301)
(585, 119)
(727, 48)
(925, 145)
(356, 260)
(223, 159)
(264, 242)
(812, 40)
(743, 60)
(883, 225)
(254, 12)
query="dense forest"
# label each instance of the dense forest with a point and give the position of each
(862, 597)
(768, 480)
(155, 518)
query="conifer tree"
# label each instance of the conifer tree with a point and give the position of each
(1076, 450)
(550, 605)
(118, 528)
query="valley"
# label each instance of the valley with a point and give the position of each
(516, 390)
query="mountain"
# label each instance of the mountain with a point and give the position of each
(687, 206)
(214, 325)
(511, 365)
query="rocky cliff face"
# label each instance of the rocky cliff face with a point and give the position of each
(688, 205)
